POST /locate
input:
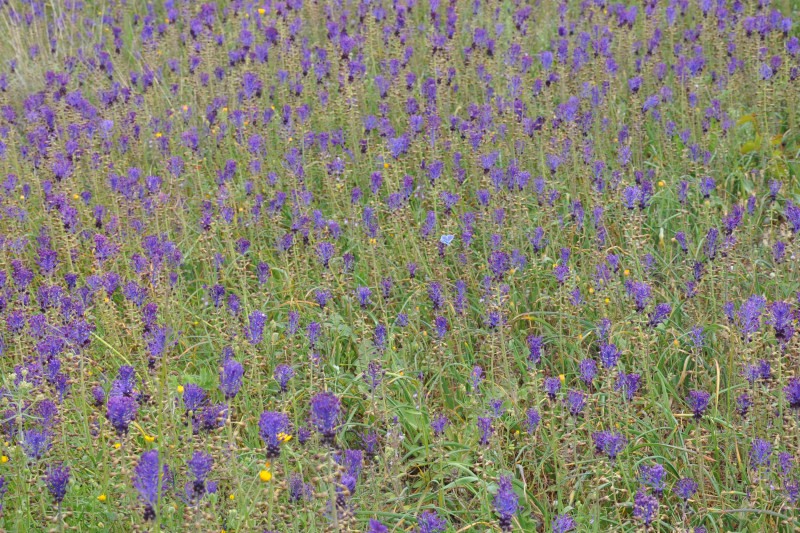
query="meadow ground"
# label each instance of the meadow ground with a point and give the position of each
(399, 266)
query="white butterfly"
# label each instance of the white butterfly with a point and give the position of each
(447, 239)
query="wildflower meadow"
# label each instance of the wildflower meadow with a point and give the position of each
(429, 266)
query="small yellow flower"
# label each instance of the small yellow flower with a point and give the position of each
(4, 459)
(284, 437)
(231, 497)
(607, 300)
(265, 475)
(185, 107)
(261, 10)
(149, 438)
(101, 498)
(562, 378)
(180, 389)
(75, 196)
(627, 272)
(676, 342)
(386, 165)
(373, 241)
(290, 139)
(516, 432)
(661, 183)
(158, 135)
(22, 197)
(117, 445)
(591, 290)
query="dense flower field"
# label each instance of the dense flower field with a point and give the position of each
(408, 265)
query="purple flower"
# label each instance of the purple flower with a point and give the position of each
(200, 466)
(793, 216)
(263, 272)
(685, 488)
(711, 243)
(782, 321)
(441, 325)
(374, 374)
(561, 271)
(121, 411)
(363, 294)
(476, 378)
(435, 295)
(535, 344)
(431, 522)
(506, 502)
(486, 429)
(778, 252)
(698, 401)
(35, 443)
(588, 370)
(792, 392)
(640, 292)
(645, 507)
(376, 527)
(609, 443)
(499, 263)
(576, 400)
(680, 237)
(537, 240)
(298, 490)
(325, 408)
(56, 480)
(230, 378)
(255, 329)
(283, 373)
(707, 186)
(322, 296)
(628, 384)
(532, 419)
(270, 425)
(242, 246)
(194, 397)
(660, 314)
(743, 404)
(551, 386)
(760, 453)
(210, 417)
(653, 477)
(439, 424)
(697, 337)
(147, 477)
(609, 355)
(325, 251)
(563, 523)
(125, 383)
(749, 315)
